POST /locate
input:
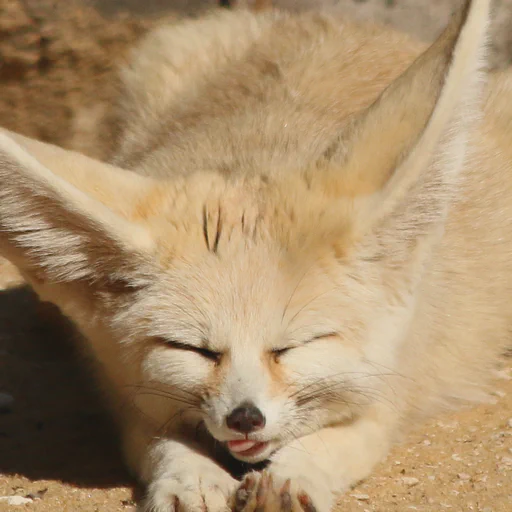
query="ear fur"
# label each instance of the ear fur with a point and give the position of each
(414, 135)
(52, 229)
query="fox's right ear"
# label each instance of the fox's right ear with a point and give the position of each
(397, 162)
(66, 218)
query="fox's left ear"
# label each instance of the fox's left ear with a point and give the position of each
(65, 218)
(403, 154)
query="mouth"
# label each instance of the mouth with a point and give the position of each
(247, 449)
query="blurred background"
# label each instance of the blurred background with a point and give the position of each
(57, 56)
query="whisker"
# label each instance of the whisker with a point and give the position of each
(170, 391)
(174, 397)
(174, 386)
(309, 302)
(353, 376)
(165, 395)
(295, 291)
(178, 415)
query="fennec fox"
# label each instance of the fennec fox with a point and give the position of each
(302, 243)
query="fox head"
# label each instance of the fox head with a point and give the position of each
(262, 306)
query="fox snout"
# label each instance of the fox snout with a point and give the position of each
(245, 418)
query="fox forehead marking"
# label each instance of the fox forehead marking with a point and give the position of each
(213, 244)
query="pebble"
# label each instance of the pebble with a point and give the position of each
(360, 497)
(503, 374)
(509, 422)
(6, 402)
(15, 500)
(449, 425)
(463, 476)
(38, 495)
(410, 481)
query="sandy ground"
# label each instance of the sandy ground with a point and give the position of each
(57, 449)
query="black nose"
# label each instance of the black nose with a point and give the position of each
(246, 418)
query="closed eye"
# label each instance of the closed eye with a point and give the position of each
(280, 351)
(208, 354)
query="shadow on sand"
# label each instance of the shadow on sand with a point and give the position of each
(56, 428)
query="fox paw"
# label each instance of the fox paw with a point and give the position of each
(190, 493)
(262, 492)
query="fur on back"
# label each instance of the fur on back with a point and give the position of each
(240, 94)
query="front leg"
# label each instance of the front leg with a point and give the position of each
(318, 466)
(183, 479)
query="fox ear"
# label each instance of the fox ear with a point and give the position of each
(412, 139)
(55, 224)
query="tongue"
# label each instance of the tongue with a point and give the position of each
(241, 446)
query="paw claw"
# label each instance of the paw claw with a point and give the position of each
(261, 493)
(286, 486)
(285, 497)
(244, 493)
(241, 499)
(248, 484)
(306, 503)
(252, 483)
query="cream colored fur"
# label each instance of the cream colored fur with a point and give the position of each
(321, 211)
